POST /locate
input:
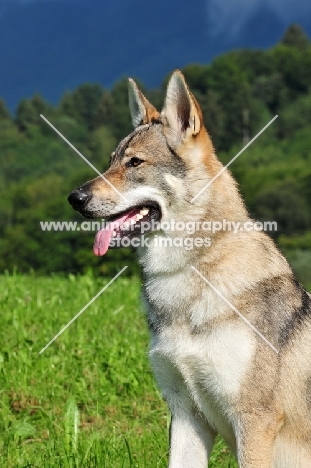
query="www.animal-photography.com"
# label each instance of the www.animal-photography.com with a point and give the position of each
(155, 234)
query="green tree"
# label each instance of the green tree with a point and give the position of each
(29, 110)
(120, 119)
(293, 64)
(285, 204)
(82, 104)
(296, 37)
(4, 113)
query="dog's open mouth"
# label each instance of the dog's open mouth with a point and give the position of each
(131, 223)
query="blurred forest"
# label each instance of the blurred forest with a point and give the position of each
(239, 93)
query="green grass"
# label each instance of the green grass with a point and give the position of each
(90, 399)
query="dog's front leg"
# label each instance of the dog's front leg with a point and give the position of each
(256, 434)
(191, 440)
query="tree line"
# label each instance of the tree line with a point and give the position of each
(239, 93)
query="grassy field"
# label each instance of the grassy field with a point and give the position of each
(90, 399)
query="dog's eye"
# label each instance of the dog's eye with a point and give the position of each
(134, 162)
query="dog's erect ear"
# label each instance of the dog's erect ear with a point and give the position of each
(181, 109)
(142, 112)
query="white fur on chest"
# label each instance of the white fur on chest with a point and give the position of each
(199, 355)
(184, 297)
(206, 370)
(162, 255)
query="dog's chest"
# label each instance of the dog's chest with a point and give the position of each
(203, 364)
(169, 299)
(207, 371)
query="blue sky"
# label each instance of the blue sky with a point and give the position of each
(50, 50)
(228, 15)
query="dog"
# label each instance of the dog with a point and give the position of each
(230, 326)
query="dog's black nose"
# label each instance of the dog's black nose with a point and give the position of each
(77, 198)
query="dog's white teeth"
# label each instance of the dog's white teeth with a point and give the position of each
(139, 216)
(144, 211)
(114, 233)
(133, 221)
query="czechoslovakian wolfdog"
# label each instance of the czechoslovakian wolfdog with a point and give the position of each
(215, 370)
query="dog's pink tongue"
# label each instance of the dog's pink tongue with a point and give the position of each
(102, 238)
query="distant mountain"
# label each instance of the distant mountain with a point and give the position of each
(50, 46)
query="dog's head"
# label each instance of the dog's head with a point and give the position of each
(155, 171)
